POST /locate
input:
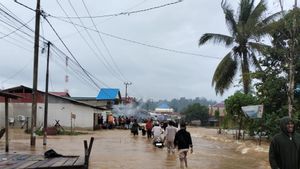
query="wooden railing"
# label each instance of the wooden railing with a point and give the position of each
(87, 151)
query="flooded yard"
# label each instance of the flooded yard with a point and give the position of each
(118, 149)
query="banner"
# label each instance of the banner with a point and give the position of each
(253, 111)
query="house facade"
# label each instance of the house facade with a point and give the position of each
(218, 107)
(62, 110)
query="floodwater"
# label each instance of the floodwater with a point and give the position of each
(118, 149)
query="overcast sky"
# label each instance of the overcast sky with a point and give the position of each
(151, 43)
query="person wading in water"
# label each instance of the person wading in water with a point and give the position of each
(183, 141)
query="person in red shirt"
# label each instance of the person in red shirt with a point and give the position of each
(149, 126)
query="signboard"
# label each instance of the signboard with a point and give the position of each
(253, 111)
(73, 116)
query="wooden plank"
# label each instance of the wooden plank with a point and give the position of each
(30, 161)
(27, 161)
(21, 159)
(26, 164)
(80, 161)
(70, 161)
(38, 163)
(61, 161)
(7, 161)
(3, 156)
(50, 162)
(6, 157)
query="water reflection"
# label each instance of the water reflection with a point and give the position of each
(118, 149)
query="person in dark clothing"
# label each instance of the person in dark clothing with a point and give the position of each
(284, 152)
(183, 142)
(135, 128)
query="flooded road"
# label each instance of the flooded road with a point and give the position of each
(118, 149)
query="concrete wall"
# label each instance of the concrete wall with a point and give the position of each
(56, 111)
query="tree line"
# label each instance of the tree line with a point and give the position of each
(179, 105)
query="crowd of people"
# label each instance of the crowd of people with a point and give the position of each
(169, 132)
(110, 122)
(171, 135)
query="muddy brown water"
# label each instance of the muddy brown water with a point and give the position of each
(118, 149)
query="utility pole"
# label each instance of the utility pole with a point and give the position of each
(46, 97)
(35, 73)
(126, 85)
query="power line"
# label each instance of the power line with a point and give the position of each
(157, 47)
(144, 44)
(71, 53)
(121, 13)
(104, 44)
(104, 61)
(77, 73)
(17, 73)
(25, 6)
(17, 29)
(87, 74)
(19, 20)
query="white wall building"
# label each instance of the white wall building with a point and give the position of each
(59, 110)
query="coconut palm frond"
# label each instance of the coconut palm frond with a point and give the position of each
(272, 18)
(229, 18)
(258, 11)
(255, 62)
(224, 74)
(258, 47)
(216, 39)
(245, 9)
(254, 20)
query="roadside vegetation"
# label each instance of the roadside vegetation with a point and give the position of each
(265, 57)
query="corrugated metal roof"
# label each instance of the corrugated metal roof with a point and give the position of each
(62, 94)
(21, 88)
(108, 94)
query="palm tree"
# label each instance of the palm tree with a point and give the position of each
(245, 30)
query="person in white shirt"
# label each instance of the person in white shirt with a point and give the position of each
(157, 131)
(170, 135)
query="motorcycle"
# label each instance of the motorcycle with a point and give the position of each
(158, 142)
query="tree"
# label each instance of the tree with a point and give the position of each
(233, 105)
(245, 31)
(285, 34)
(196, 111)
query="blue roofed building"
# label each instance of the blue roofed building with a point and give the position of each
(106, 98)
(110, 96)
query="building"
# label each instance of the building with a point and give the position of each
(213, 109)
(164, 108)
(109, 96)
(165, 112)
(61, 110)
(105, 100)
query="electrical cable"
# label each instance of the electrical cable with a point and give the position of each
(70, 52)
(17, 29)
(147, 45)
(104, 44)
(105, 63)
(121, 13)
